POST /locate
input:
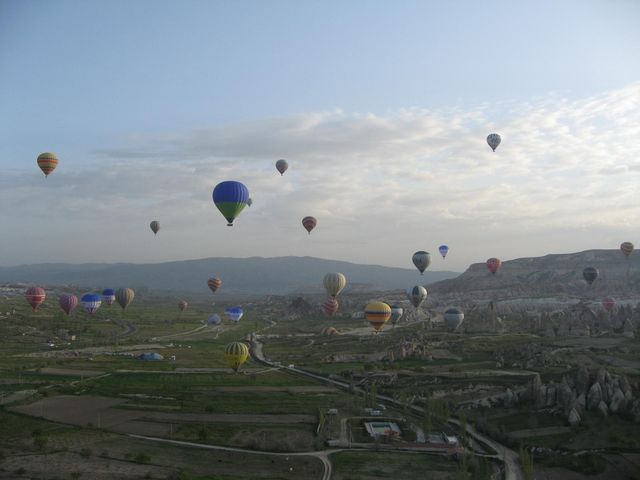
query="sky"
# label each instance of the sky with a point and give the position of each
(381, 109)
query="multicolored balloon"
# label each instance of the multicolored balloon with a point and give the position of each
(214, 284)
(68, 303)
(443, 249)
(155, 226)
(417, 295)
(494, 140)
(494, 264)
(396, 314)
(230, 198)
(182, 305)
(214, 319)
(626, 248)
(282, 166)
(236, 354)
(309, 223)
(453, 317)
(234, 313)
(421, 260)
(330, 306)
(334, 283)
(590, 274)
(108, 296)
(377, 314)
(35, 297)
(91, 302)
(608, 303)
(47, 162)
(124, 296)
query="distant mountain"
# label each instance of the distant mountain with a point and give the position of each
(240, 276)
(549, 275)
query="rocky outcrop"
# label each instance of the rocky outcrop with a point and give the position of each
(594, 397)
(574, 417)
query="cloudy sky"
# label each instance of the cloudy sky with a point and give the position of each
(381, 108)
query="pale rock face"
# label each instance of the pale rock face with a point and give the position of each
(594, 397)
(574, 417)
(618, 401)
(551, 395)
(536, 383)
(603, 409)
(581, 402)
(541, 399)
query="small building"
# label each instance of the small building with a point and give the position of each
(332, 411)
(383, 429)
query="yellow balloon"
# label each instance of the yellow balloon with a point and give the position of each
(236, 354)
(377, 313)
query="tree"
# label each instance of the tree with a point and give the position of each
(526, 459)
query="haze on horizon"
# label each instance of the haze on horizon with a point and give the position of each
(381, 109)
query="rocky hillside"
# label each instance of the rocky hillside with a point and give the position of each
(554, 274)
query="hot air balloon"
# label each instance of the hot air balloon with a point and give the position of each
(608, 303)
(47, 162)
(68, 303)
(330, 306)
(377, 314)
(230, 197)
(155, 226)
(236, 354)
(234, 313)
(494, 140)
(309, 223)
(282, 166)
(35, 297)
(453, 317)
(417, 295)
(124, 296)
(494, 264)
(590, 274)
(334, 283)
(626, 248)
(421, 260)
(443, 249)
(214, 319)
(108, 296)
(396, 313)
(182, 305)
(214, 284)
(91, 302)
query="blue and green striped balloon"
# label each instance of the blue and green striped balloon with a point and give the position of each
(230, 197)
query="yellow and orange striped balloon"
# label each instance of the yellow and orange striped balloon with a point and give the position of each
(377, 314)
(47, 162)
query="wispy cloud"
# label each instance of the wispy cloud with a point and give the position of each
(565, 177)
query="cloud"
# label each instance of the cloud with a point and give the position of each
(381, 186)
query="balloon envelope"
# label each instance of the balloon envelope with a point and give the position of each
(421, 260)
(124, 296)
(443, 249)
(91, 302)
(396, 314)
(35, 297)
(230, 198)
(453, 317)
(214, 284)
(334, 283)
(155, 226)
(608, 303)
(494, 140)
(590, 274)
(214, 319)
(330, 306)
(626, 248)
(108, 296)
(377, 314)
(234, 313)
(182, 305)
(494, 264)
(68, 303)
(236, 354)
(282, 166)
(47, 162)
(417, 295)
(309, 223)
